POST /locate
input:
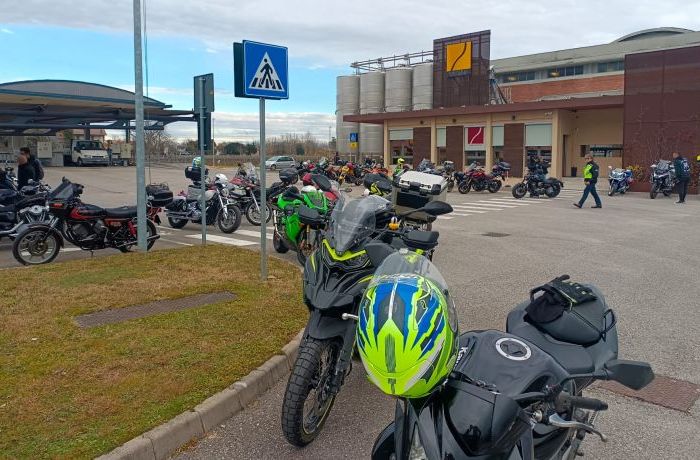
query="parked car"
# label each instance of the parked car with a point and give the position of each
(280, 162)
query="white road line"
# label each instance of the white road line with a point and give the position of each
(488, 207)
(71, 249)
(459, 207)
(461, 214)
(445, 218)
(178, 242)
(512, 201)
(492, 205)
(224, 240)
(250, 233)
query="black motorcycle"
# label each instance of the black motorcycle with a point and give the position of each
(663, 178)
(220, 209)
(516, 394)
(533, 183)
(21, 208)
(335, 277)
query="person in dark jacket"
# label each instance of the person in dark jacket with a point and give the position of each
(682, 167)
(25, 168)
(590, 178)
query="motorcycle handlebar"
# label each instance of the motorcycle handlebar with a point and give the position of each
(582, 402)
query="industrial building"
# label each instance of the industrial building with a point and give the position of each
(614, 100)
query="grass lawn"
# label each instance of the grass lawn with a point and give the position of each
(68, 392)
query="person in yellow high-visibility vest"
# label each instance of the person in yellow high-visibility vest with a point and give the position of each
(590, 178)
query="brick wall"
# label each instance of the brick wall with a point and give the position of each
(526, 92)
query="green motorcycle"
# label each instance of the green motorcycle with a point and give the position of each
(290, 232)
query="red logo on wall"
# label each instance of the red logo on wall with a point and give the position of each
(475, 135)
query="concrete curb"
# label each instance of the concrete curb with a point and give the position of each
(160, 442)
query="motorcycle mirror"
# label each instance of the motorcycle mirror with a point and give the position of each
(632, 374)
(322, 182)
(437, 208)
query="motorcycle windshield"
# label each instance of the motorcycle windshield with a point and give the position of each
(662, 166)
(353, 220)
(316, 198)
(250, 171)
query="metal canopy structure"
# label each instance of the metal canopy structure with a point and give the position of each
(44, 107)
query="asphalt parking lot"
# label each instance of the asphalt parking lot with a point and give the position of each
(493, 249)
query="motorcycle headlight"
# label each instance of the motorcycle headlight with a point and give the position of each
(417, 451)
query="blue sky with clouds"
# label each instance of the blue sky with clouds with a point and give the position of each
(92, 41)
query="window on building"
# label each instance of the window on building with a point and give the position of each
(519, 76)
(567, 71)
(602, 151)
(613, 66)
(544, 152)
(470, 156)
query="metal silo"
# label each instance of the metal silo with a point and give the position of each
(423, 86)
(371, 101)
(398, 89)
(347, 103)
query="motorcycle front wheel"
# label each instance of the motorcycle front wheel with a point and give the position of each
(176, 222)
(279, 244)
(611, 192)
(253, 214)
(308, 399)
(230, 223)
(464, 187)
(654, 190)
(519, 190)
(553, 190)
(36, 246)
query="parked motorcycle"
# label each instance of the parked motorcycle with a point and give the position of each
(507, 395)
(663, 178)
(351, 173)
(245, 190)
(335, 277)
(376, 184)
(8, 180)
(87, 226)
(220, 209)
(21, 208)
(620, 180)
(499, 173)
(290, 232)
(550, 187)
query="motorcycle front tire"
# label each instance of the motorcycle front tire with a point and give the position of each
(279, 244)
(22, 242)
(553, 191)
(229, 225)
(519, 190)
(175, 222)
(464, 187)
(611, 192)
(308, 370)
(253, 215)
(654, 190)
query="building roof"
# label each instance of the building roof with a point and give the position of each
(588, 103)
(55, 105)
(643, 40)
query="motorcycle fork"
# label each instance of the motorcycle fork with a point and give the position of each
(224, 208)
(344, 358)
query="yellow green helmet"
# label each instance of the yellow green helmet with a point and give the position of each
(407, 333)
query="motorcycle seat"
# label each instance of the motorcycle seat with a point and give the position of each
(421, 239)
(123, 212)
(90, 210)
(8, 196)
(575, 358)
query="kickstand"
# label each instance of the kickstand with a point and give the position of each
(92, 253)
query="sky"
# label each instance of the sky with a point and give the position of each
(93, 41)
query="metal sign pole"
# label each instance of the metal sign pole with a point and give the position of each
(203, 164)
(263, 196)
(141, 229)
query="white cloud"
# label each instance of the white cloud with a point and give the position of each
(230, 126)
(6, 31)
(338, 33)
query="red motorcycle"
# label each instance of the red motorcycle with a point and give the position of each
(475, 178)
(87, 226)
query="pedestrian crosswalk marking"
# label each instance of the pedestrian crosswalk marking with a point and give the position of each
(251, 233)
(492, 205)
(460, 207)
(511, 201)
(266, 77)
(223, 240)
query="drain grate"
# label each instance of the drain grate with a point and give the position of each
(495, 234)
(119, 315)
(662, 391)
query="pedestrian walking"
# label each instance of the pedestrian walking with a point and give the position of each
(682, 167)
(25, 168)
(590, 178)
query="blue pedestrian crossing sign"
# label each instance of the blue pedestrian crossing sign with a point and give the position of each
(353, 137)
(261, 70)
